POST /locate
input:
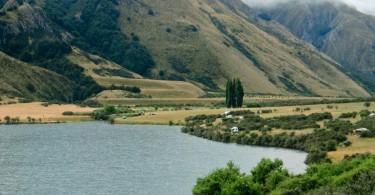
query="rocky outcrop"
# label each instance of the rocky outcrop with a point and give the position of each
(30, 19)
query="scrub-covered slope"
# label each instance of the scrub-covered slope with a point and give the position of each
(23, 80)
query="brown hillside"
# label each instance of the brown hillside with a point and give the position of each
(206, 39)
(107, 73)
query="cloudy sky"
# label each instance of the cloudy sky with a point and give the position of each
(365, 6)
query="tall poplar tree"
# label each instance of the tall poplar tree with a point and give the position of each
(227, 94)
(230, 91)
(239, 93)
(234, 94)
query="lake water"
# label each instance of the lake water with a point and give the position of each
(97, 158)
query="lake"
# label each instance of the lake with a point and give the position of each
(98, 158)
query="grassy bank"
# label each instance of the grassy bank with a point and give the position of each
(37, 112)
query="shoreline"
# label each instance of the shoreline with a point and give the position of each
(53, 114)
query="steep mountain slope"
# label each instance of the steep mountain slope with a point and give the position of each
(346, 35)
(203, 42)
(28, 34)
(194, 39)
(23, 80)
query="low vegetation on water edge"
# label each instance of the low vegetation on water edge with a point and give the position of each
(354, 175)
(109, 113)
(245, 127)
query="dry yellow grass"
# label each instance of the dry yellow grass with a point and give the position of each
(359, 145)
(159, 101)
(154, 88)
(163, 117)
(117, 98)
(52, 113)
(336, 112)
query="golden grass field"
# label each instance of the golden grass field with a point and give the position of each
(52, 113)
(359, 145)
(163, 117)
(156, 88)
(158, 101)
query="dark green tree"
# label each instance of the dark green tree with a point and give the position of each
(239, 93)
(264, 168)
(226, 181)
(234, 94)
(231, 96)
(227, 94)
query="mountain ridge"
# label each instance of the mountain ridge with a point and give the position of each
(340, 31)
(204, 42)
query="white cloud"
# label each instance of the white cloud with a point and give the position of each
(365, 6)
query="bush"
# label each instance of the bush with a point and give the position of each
(104, 113)
(364, 113)
(226, 181)
(348, 115)
(264, 111)
(125, 88)
(150, 12)
(68, 113)
(109, 110)
(317, 157)
(24, 101)
(354, 175)
(100, 115)
(91, 103)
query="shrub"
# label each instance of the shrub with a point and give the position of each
(264, 111)
(68, 113)
(100, 115)
(348, 115)
(150, 12)
(7, 120)
(24, 100)
(91, 103)
(317, 157)
(364, 113)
